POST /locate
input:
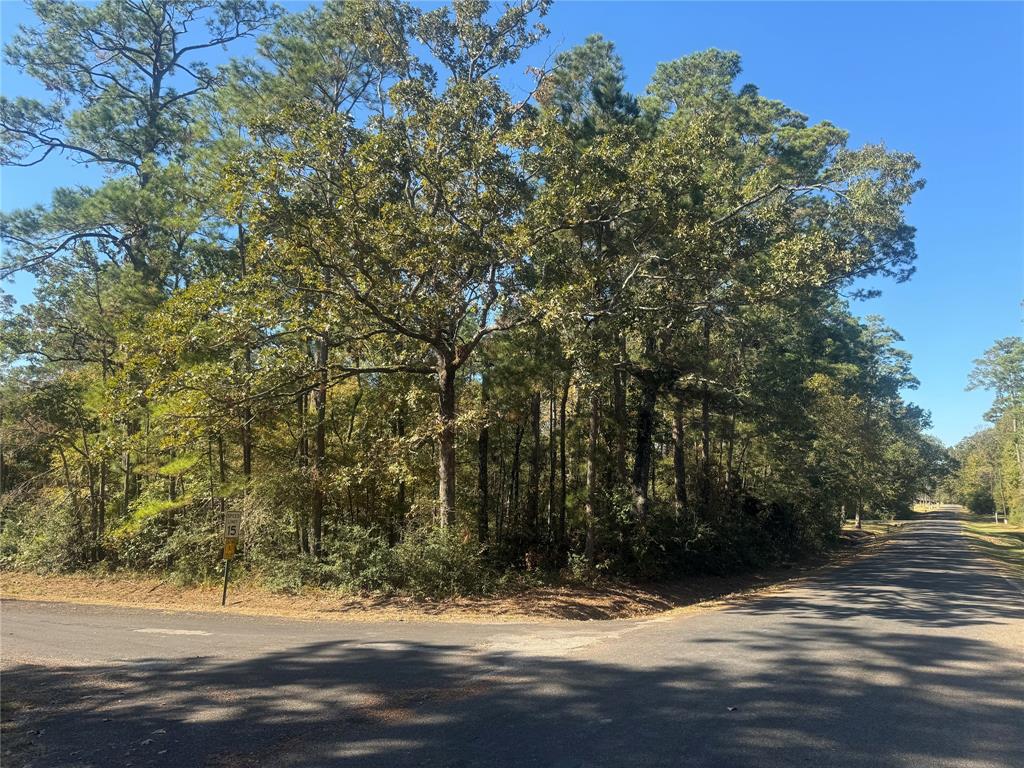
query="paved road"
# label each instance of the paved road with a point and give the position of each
(911, 658)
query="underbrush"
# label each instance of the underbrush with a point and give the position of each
(181, 542)
(425, 563)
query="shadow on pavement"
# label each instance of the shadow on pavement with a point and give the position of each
(868, 667)
(929, 578)
(923, 701)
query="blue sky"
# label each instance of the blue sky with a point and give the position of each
(942, 80)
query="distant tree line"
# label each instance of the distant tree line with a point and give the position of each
(989, 465)
(428, 321)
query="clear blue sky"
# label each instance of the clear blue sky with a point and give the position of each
(942, 80)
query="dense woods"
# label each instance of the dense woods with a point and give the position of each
(434, 312)
(989, 465)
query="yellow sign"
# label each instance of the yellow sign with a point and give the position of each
(229, 548)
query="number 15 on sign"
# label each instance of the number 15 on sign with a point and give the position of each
(232, 522)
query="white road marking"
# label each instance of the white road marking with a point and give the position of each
(157, 631)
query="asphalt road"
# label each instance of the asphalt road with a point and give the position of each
(913, 657)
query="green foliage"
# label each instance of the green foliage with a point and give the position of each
(989, 478)
(41, 534)
(355, 559)
(429, 563)
(173, 537)
(361, 290)
(440, 562)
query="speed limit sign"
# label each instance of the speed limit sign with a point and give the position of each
(232, 522)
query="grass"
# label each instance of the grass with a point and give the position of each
(878, 527)
(1000, 541)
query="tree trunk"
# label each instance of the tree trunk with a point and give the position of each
(93, 509)
(705, 427)
(563, 490)
(104, 481)
(302, 519)
(501, 509)
(552, 464)
(483, 446)
(705, 448)
(513, 488)
(130, 489)
(72, 493)
(246, 409)
(172, 485)
(619, 380)
(593, 498)
(446, 441)
(1015, 426)
(642, 453)
(3, 465)
(403, 505)
(222, 471)
(209, 472)
(246, 429)
(679, 459)
(533, 484)
(741, 464)
(320, 443)
(729, 455)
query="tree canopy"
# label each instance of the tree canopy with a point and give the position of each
(989, 476)
(425, 319)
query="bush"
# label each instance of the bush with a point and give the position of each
(42, 533)
(193, 551)
(178, 538)
(361, 558)
(426, 563)
(439, 563)
(299, 572)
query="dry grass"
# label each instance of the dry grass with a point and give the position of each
(876, 527)
(1002, 542)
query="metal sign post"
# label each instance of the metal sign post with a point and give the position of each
(232, 522)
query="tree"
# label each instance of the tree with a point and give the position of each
(126, 83)
(431, 200)
(308, 275)
(1001, 370)
(990, 478)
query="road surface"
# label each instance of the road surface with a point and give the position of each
(913, 657)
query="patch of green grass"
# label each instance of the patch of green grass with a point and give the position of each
(1000, 541)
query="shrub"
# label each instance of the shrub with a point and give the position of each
(42, 532)
(439, 563)
(361, 558)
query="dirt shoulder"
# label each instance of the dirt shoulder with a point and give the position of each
(612, 600)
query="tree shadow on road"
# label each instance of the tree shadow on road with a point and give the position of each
(933, 580)
(874, 669)
(907, 700)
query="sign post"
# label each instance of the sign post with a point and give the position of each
(232, 522)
